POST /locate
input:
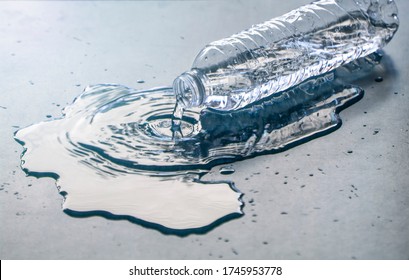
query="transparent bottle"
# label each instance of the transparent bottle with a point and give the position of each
(280, 53)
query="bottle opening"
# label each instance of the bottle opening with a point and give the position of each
(188, 89)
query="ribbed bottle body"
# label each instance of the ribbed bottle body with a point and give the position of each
(280, 53)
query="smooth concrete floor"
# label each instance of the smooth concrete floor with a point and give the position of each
(347, 193)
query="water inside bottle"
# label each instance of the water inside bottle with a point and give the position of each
(276, 55)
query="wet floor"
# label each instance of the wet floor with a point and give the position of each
(344, 195)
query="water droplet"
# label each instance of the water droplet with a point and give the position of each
(226, 170)
(378, 79)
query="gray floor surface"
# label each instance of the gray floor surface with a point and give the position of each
(49, 51)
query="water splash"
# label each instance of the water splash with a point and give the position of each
(113, 153)
(107, 152)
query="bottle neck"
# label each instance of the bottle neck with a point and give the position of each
(189, 89)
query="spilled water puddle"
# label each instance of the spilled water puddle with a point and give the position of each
(112, 153)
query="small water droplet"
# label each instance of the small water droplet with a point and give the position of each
(226, 170)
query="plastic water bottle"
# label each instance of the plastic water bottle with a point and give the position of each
(280, 53)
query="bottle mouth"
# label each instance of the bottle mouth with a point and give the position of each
(189, 89)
